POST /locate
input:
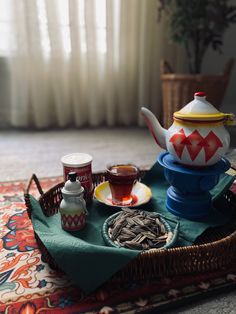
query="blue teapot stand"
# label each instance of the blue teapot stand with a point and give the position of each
(189, 196)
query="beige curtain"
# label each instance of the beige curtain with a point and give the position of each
(84, 62)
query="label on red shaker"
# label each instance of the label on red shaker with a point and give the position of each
(84, 175)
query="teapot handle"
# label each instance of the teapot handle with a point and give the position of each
(230, 119)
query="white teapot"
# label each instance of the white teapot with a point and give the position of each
(197, 136)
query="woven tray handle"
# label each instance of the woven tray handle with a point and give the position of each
(34, 179)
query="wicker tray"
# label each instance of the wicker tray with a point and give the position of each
(213, 250)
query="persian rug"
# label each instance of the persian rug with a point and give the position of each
(29, 285)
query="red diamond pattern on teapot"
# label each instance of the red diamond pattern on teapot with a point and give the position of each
(210, 144)
(195, 143)
(177, 140)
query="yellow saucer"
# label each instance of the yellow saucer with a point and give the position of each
(141, 194)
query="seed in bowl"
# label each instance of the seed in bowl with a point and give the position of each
(135, 229)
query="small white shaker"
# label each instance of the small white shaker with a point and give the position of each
(73, 207)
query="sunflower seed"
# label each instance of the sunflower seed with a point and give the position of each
(130, 221)
(116, 231)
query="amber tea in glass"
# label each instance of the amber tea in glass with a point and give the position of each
(121, 178)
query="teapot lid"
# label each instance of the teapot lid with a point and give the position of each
(199, 109)
(72, 186)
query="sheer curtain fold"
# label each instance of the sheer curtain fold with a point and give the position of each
(78, 66)
(111, 65)
(84, 62)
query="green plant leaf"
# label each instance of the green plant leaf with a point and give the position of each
(198, 25)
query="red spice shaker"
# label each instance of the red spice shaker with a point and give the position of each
(81, 163)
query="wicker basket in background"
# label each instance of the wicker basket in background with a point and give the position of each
(178, 89)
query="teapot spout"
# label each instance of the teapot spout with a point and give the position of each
(157, 131)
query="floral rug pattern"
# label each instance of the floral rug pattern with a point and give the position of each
(29, 285)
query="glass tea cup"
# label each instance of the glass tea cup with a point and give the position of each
(121, 178)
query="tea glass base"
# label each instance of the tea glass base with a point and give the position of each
(123, 202)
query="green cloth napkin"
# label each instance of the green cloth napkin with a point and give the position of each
(83, 256)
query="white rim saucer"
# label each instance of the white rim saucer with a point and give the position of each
(141, 194)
